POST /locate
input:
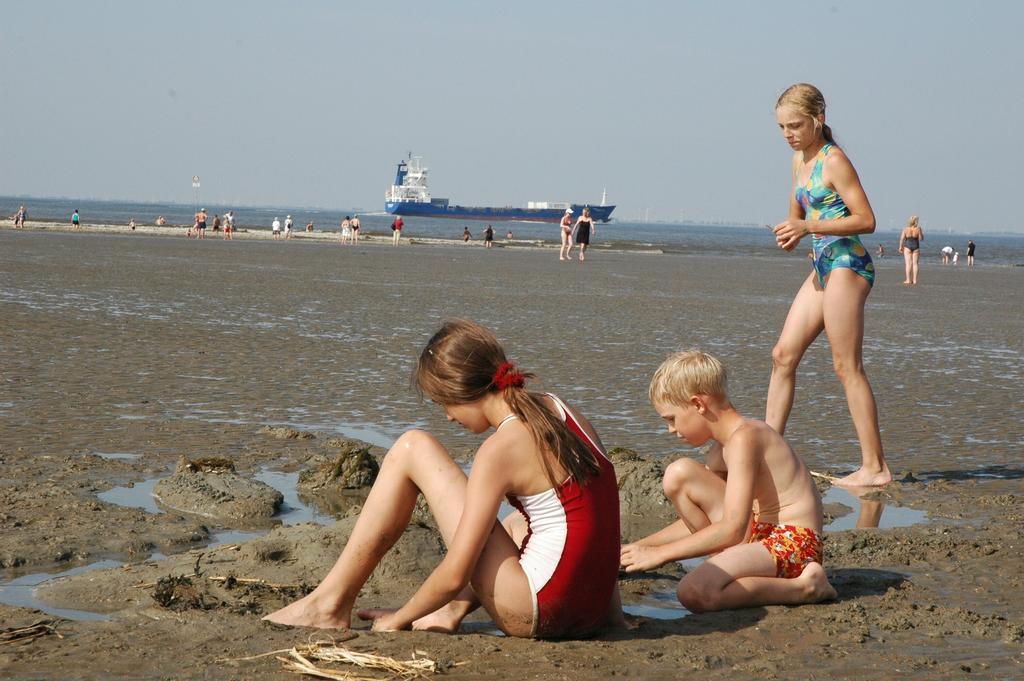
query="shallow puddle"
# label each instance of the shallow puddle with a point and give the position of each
(293, 511)
(137, 495)
(867, 514)
(117, 455)
(659, 606)
(20, 591)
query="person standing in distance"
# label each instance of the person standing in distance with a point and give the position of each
(396, 230)
(910, 246)
(829, 203)
(346, 230)
(581, 233)
(566, 234)
(355, 229)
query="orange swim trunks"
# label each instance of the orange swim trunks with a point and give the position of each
(792, 547)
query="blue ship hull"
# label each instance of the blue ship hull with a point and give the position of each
(440, 209)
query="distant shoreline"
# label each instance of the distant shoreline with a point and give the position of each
(374, 239)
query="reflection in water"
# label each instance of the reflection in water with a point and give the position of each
(871, 512)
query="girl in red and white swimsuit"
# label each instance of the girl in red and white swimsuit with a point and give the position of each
(550, 571)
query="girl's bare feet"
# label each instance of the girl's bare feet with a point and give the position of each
(445, 620)
(865, 478)
(311, 611)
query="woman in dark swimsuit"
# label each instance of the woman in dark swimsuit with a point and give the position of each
(581, 233)
(910, 246)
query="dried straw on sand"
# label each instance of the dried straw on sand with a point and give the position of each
(300, 661)
(29, 633)
(824, 476)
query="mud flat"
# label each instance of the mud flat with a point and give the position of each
(121, 355)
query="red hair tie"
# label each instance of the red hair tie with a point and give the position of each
(506, 376)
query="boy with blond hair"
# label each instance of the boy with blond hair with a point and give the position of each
(753, 508)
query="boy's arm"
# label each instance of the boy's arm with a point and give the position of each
(744, 465)
(716, 462)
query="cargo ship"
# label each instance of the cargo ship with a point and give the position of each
(409, 196)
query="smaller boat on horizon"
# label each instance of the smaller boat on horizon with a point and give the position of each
(409, 196)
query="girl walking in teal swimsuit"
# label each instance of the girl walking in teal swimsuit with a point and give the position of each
(829, 204)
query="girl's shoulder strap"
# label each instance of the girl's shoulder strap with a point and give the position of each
(819, 164)
(563, 411)
(567, 418)
(505, 420)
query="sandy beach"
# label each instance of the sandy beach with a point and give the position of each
(119, 355)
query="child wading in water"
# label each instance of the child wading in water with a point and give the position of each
(548, 571)
(753, 508)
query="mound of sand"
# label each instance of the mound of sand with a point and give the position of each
(353, 466)
(643, 508)
(285, 433)
(211, 488)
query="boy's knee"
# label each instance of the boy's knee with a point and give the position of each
(678, 474)
(693, 596)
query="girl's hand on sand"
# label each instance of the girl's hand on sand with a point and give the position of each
(637, 558)
(383, 618)
(789, 233)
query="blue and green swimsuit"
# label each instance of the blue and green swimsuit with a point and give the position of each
(831, 251)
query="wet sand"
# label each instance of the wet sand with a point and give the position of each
(118, 355)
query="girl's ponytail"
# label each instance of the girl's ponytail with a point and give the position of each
(550, 433)
(463, 362)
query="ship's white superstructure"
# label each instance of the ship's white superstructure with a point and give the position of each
(411, 183)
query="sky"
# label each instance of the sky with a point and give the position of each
(667, 105)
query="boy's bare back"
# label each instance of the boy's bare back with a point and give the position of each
(784, 492)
